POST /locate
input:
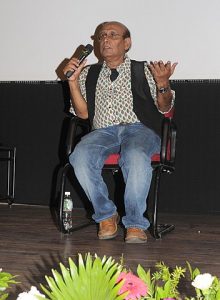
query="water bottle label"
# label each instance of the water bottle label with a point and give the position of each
(68, 205)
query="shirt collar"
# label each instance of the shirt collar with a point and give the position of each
(122, 67)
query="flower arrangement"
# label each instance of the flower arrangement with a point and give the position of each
(207, 287)
(163, 283)
(104, 279)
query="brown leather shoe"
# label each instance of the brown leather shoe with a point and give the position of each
(108, 228)
(135, 235)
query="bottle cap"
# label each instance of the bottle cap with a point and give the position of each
(67, 193)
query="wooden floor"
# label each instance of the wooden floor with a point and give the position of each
(31, 244)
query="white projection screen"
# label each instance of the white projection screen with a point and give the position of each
(36, 36)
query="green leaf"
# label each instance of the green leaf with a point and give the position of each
(73, 269)
(47, 292)
(61, 284)
(146, 277)
(5, 296)
(218, 294)
(160, 293)
(167, 288)
(55, 291)
(190, 270)
(195, 273)
(67, 278)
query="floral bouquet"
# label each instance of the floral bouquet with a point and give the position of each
(95, 278)
(103, 279)
(207, 287)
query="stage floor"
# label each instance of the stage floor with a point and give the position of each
(31, 244)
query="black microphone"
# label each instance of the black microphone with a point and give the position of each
(85, 52)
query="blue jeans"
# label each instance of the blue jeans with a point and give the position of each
(136, 144)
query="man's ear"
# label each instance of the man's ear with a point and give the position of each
(127, 42)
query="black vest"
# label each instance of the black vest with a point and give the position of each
(143, 103)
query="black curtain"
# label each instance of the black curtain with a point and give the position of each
(34, 118)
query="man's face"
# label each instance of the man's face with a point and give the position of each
(112, 43)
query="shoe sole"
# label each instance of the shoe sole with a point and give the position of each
(108, 237)
(135, 241)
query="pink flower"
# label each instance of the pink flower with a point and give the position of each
(133, 284)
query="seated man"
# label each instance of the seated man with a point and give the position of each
(125, 101)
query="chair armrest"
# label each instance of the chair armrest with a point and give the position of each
(77, 128)
(168, 141)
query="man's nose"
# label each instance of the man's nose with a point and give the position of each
(106, 37)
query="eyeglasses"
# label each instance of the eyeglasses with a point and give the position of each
(110, 35)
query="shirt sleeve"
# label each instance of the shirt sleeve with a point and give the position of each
(82, 86)
(153, 88)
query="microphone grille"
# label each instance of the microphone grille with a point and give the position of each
(89, 48)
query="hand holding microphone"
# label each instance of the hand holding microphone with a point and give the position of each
(74, 63)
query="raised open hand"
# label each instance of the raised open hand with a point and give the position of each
(162, 72)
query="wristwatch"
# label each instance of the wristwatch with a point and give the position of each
(163, 90)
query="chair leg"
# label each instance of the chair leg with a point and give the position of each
(62, 192)
(65, 170)
(158, 229)
(11, 175)
(11, 163)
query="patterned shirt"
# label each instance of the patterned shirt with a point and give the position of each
(114, 99)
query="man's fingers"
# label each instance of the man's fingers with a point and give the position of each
(160, 70)
(74, 66)
(157, 66)
(161, 65)
(173, 67)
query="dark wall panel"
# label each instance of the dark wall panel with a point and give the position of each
(195, 184)
(33, 118)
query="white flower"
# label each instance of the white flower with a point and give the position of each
(30, 295)
(203, 281)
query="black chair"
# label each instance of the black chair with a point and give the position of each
(8, 156)
(163, 162)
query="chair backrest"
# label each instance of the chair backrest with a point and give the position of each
(75, 124)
